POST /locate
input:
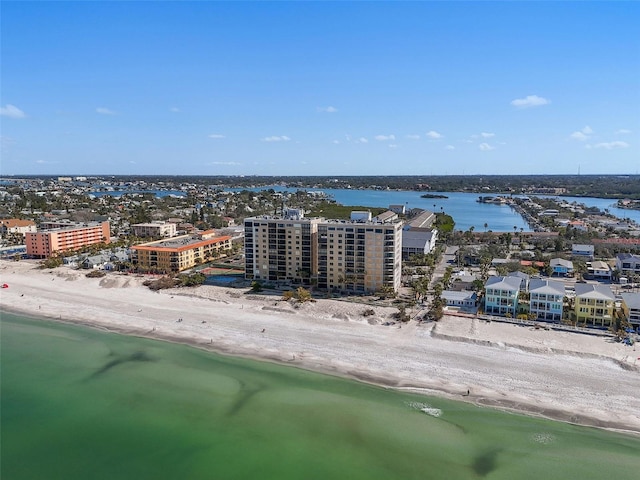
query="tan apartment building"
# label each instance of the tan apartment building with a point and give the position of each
(154, 229)
(180, 253)
(361, 257)
(281, 248)
(43, 244)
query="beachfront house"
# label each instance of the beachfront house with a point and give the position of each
(545, 299)
(561, 267)
(463, 280)
(464, 299)
(524, 279)
(501, 296)
(594, 304)
(630, 305)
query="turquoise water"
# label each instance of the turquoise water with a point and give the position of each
(79, 403)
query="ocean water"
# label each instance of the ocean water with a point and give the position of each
(78, 403)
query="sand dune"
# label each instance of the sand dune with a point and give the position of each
(566, 376)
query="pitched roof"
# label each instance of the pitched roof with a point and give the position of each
(16, 222)
(504, 283)
(631, 299)
(462, 295)
(561, 262)
(628, 256)
(413, 239)
(553, 287)
(600, 265)
(595, 291)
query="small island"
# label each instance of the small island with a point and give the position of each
(629, 204)
(433, 195)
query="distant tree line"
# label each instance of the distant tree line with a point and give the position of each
(603, 186)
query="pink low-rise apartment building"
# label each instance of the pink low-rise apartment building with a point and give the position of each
(45, 243)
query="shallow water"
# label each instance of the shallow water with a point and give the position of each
(80, 403)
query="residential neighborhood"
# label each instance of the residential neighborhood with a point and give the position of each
(574, 268)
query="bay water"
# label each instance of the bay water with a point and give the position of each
(79, 403)
(463, 207)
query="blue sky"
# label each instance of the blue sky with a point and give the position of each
(320, 88)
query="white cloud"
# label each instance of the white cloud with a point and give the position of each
(224, 163)
(104, 111)
(413, 137)
(174, 109)
(275, 138)
(12, 111)
(611, 145)
(393, 145)
(449, 147)
(623, 131)
(336, 142)
(45, 162)
(347, 137)
(362, 140)
(530, 101)
(328, 109)
(485, 147)
(582, 135)
(579, 136)
(433, 134)
(216, 136)
(382, 138)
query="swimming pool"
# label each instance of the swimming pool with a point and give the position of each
(222, 279)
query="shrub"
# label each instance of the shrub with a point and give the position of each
(95, 274)
(192, 280)
(51, 262)
(288, 295)
(162, 283)
(303, 295)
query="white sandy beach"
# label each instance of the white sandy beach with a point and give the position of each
(578, 378)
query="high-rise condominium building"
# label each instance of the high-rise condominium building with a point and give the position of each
(358, 256)
(281, 248)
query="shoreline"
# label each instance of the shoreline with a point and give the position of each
(498, 364)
